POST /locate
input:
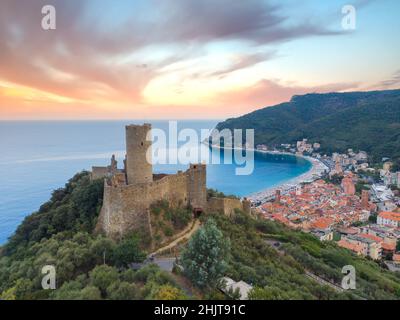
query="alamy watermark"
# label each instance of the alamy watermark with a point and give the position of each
(49, 18)
(349, 19)
(349, 280)
(209, 146)
(49, 279)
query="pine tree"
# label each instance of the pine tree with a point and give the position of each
(204, 259)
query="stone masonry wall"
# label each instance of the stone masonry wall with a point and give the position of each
(227, 206)
(126, 207)
(197, 186)
(138, 154)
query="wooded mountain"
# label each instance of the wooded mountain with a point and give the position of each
(368, 121)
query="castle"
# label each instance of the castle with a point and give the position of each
(129, 192)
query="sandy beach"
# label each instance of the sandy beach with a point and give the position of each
(316, 171)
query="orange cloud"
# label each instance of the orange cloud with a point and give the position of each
(157, 66)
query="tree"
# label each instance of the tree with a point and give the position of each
(90, 293)
(8, 294)
(128, 251)
(23, 289)
(398, 246)
(68, 291)
(204, 259)
(102, 249)
(168, 292)
(372, 218)
(122, 291)
(102, 277)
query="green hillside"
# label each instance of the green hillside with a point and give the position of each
(368, 121)
(92, 266)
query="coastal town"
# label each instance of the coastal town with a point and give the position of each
(342, 199)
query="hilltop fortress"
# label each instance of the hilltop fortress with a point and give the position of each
(129, 192)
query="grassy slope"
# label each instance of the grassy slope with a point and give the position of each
(282, 276)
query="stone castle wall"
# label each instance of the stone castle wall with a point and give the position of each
(126, 207)
(196, 186)
(129, 193)
(98, 173)
(227, 206)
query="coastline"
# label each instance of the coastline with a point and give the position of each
(314, 173)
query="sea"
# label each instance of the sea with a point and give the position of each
(37, 157)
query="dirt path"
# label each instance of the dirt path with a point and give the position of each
(172, 244)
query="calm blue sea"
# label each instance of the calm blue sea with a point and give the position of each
(37, 157)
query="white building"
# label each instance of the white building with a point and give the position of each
(230, 286)
(381, 192)
(387, 218)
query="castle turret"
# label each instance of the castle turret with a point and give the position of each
(139, 168)
(365, 199)
(278, 196)
(348, 185)
(246, 206)
(197, 186)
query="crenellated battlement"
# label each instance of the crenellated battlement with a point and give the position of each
(129, 192)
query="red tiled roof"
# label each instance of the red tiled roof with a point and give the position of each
(351, 246)
(389, 246)
(390, 215)
(370, 236)
(322, 223)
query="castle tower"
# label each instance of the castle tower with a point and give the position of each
(197, 186)
(246, 206)
(139, 169)
(348, 185)
(365, 199)
(277, 196)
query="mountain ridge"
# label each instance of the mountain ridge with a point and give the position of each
(368, 121)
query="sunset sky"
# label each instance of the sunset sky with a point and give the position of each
(159, 59)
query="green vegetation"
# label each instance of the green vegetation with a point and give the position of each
(274, 259)
(373, 218)
(212, 193)
(368, 121)
(335, 179)
(168, 292)
(106, 282)
(265, 254)
(168, 220)
(88, 266)
(204, 259)
(360, 186)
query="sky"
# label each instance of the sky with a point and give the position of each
(188, 59)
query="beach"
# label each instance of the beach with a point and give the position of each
(316, 171)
